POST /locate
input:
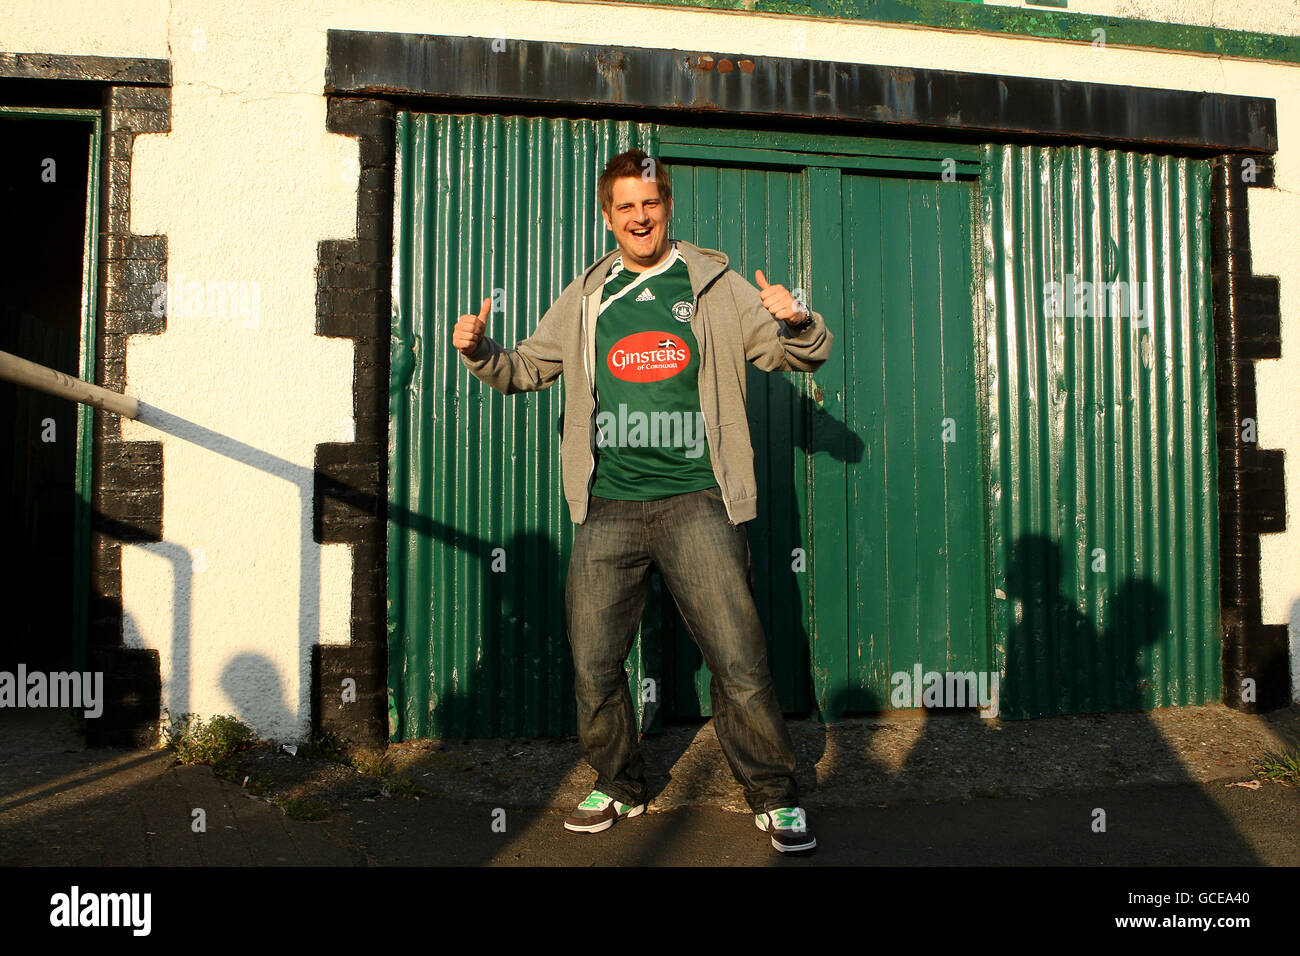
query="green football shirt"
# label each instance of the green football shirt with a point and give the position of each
(650, 434)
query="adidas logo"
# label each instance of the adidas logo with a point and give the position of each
(645, 296)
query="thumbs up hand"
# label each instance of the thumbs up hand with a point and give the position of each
(469, 329)
(778, 300)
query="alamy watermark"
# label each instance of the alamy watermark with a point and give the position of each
(76, 908)
(209, 299)
(75, 689)
(636, 429)
(1080, 298)
(947, 689)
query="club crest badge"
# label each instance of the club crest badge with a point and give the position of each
(682, 311)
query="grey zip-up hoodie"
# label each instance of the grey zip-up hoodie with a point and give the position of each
(731, 327)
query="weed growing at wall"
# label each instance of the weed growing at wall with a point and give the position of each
(214, 741)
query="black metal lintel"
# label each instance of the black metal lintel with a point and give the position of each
(522, 72)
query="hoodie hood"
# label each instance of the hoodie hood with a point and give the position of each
(703, 265)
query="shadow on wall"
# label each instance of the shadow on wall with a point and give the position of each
(482, 702)
(1054, 639)
(1058, 661)
(784, 520)
(268, 715)
(265, 711)
(252, 684)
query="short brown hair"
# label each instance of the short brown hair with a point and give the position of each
(634, 162)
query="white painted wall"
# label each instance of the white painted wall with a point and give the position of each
(248, 182)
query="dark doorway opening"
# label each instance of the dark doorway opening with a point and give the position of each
(44, 181)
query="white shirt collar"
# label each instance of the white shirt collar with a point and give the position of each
(673, 256)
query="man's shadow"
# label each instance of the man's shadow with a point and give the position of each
(504, 669)
(1059, 662)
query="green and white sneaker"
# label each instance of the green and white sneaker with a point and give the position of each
(600, 812)
(789, 829)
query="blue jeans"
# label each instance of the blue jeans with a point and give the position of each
(705, 562)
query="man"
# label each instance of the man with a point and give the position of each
(658, 470)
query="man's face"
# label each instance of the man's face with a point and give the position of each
(639, 221)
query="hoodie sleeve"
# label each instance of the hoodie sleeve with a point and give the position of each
(771, 344)
(536, 362)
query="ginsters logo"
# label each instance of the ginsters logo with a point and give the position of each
(648, 357)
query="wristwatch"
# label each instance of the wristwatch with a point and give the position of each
(803, 326)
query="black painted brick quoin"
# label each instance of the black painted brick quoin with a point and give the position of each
(338, 674)
(353, 279)
(127, 502)
(1247, 324)
(132, 694)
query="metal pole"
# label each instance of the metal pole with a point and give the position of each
(15, 369)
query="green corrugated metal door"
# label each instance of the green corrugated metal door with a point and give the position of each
(976, 482)
(755, 215)
(479, 533)
(898, 502)
(1101, 406)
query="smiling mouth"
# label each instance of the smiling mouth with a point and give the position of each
(642, 233)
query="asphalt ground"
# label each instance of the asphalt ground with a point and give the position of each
(1169, 788)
